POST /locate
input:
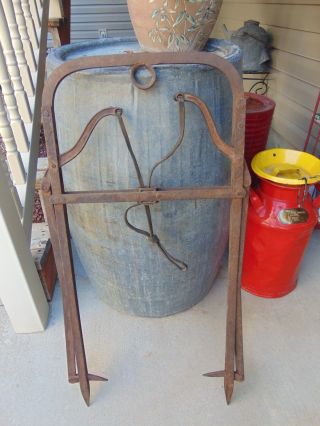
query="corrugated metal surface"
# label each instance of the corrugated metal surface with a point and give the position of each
(89, 18)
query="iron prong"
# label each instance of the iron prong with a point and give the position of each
(215, 374)
(95, 378)
(228, 390)
(91, 377)
(85, 391)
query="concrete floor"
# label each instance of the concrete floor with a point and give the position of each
(154, 366)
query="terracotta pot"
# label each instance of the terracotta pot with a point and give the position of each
(173, 25)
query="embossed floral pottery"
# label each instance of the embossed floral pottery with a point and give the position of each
(173, 25)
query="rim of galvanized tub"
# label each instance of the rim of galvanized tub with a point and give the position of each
(118, 45)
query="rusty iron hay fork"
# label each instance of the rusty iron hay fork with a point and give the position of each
(237, 329)
(56, 200)
(234, 341)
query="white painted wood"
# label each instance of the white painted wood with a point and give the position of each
(274, 140)
(298, 91)
(27, 46)
(55, 36)
(56, 9)
(39, 7)
(30, 24)
(35, 14)
(16, 123)
(293, 134)
(11, 186)
(14, 72)
(303, 17)
(294, 112)
(18, 47)
(303, 69)
(20, 288)
(34, 146)
(302, 43)
(13, 156)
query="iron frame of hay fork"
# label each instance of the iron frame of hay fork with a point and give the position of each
(56, 199)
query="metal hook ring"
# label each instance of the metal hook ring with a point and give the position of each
(134, 81)
(179, 97)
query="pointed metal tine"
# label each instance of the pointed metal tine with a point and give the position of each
(228, 390)
(95, 378)
(85, 390)
(215, 374)
(237, 376)
(228, 385)
(91, 377)
(85, 386)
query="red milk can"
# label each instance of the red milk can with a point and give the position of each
(281, 219)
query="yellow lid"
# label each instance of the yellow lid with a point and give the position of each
(286, 166)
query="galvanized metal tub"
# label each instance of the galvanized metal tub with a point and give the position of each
(129, 272)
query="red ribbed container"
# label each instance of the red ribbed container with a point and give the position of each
(258, 121)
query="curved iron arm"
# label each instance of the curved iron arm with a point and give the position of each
(68, 156)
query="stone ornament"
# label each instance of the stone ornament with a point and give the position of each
(173, 25)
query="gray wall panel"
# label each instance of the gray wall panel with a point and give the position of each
(87, 19)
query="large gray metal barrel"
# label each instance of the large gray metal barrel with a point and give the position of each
(127, 270)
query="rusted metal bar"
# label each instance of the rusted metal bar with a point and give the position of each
(140, 196)
(69, 282)
(58, 223)
(239, 359)
(73, 376)
(239, 336)
(234, 350)
(149, 60)
(234, 239)
(220, 144)
(57, 199)
(76, 358)
(83, 140)
(49, 208)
